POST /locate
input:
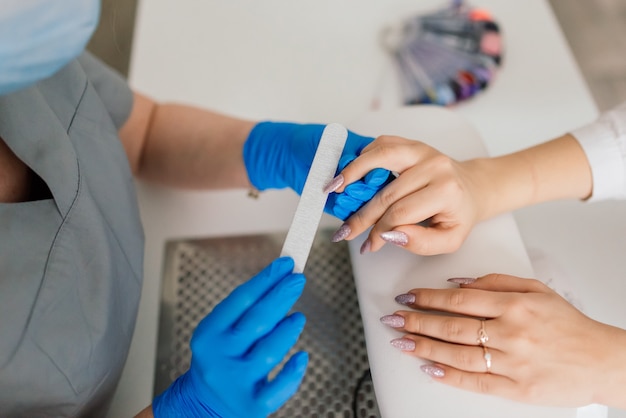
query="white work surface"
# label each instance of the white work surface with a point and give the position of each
(493, 246)
(320, 61)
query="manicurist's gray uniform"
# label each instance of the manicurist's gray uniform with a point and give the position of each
(71, 265)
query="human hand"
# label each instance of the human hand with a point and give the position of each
(542, 350)
(429, 209)
(279, 155)
(236, 346)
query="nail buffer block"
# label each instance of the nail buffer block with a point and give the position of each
(311, 205)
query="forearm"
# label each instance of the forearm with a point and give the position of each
(557, 169)
(184, 146)
(145, 413)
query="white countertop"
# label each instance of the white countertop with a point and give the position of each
(320, 61)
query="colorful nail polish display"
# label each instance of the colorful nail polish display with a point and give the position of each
(445, 56)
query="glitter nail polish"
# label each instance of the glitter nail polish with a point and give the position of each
(366, 247)
(395, 237)
(394, 321)
(403, 344)
(406, 299)
(334, 184)
(341, 233)
(462, 280)
(433, 370)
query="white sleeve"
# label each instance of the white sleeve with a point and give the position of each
(604, 143)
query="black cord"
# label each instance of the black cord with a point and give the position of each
(367, 375)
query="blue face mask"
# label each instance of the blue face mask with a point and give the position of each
(39, 37)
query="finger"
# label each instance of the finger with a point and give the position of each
(343, 205)
(268, 352)
(461, 357)
(425, 240)
(391, 153)
(273, 394)
(407, 214)
(265, 315)
(338, 206)
(359, 191)
(485, 383)
(381, 202)
(470, 302)
(452, 329)
(229, 310)
(506, 283)
(378, 177)
(357, 194)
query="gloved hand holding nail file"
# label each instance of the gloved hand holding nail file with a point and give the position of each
(279, 155)
(236, 346)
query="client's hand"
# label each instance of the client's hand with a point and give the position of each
(429, 209)
(236, 346)
(533, 346)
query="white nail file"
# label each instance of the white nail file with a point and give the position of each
(312, 200)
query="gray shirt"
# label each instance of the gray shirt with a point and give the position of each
(70, 266)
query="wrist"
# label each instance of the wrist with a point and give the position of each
(180, 400)
(490, 187)
(612, 374)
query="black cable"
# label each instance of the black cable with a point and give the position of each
(367, 375)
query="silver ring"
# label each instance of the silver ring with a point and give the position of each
(487, 357)
(482, 334)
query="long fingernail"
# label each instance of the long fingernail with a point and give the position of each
(403, 344)
(462, 280)
(334, 184)
(406, 299)
(341, 233)
(366, 247)
(395, 237)
(394, 321)
(432, 370)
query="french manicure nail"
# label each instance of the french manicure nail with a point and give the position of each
(395, 237)
(341, 233)
(403, 344)
(433, 370)
(462, 280)
(406, 299)
(366, 247)
(334, 184)
(393, 321)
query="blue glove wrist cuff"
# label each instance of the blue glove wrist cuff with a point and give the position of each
(177, 402)
(257, 156)
(279, 154)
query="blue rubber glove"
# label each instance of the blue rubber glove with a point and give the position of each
(279, 155)
(236, 346)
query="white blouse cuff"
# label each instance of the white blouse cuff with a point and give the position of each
(604, 143)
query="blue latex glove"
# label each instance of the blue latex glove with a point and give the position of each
(236, 346)
(279, 155)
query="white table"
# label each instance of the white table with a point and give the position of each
(319, 60)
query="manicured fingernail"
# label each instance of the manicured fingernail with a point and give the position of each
(432, 370)
(403, 344)
(406, 299)
(334, 184)
(395, 237)
(366, 247)
(341, 233)
(462, 280)
(394, 321)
